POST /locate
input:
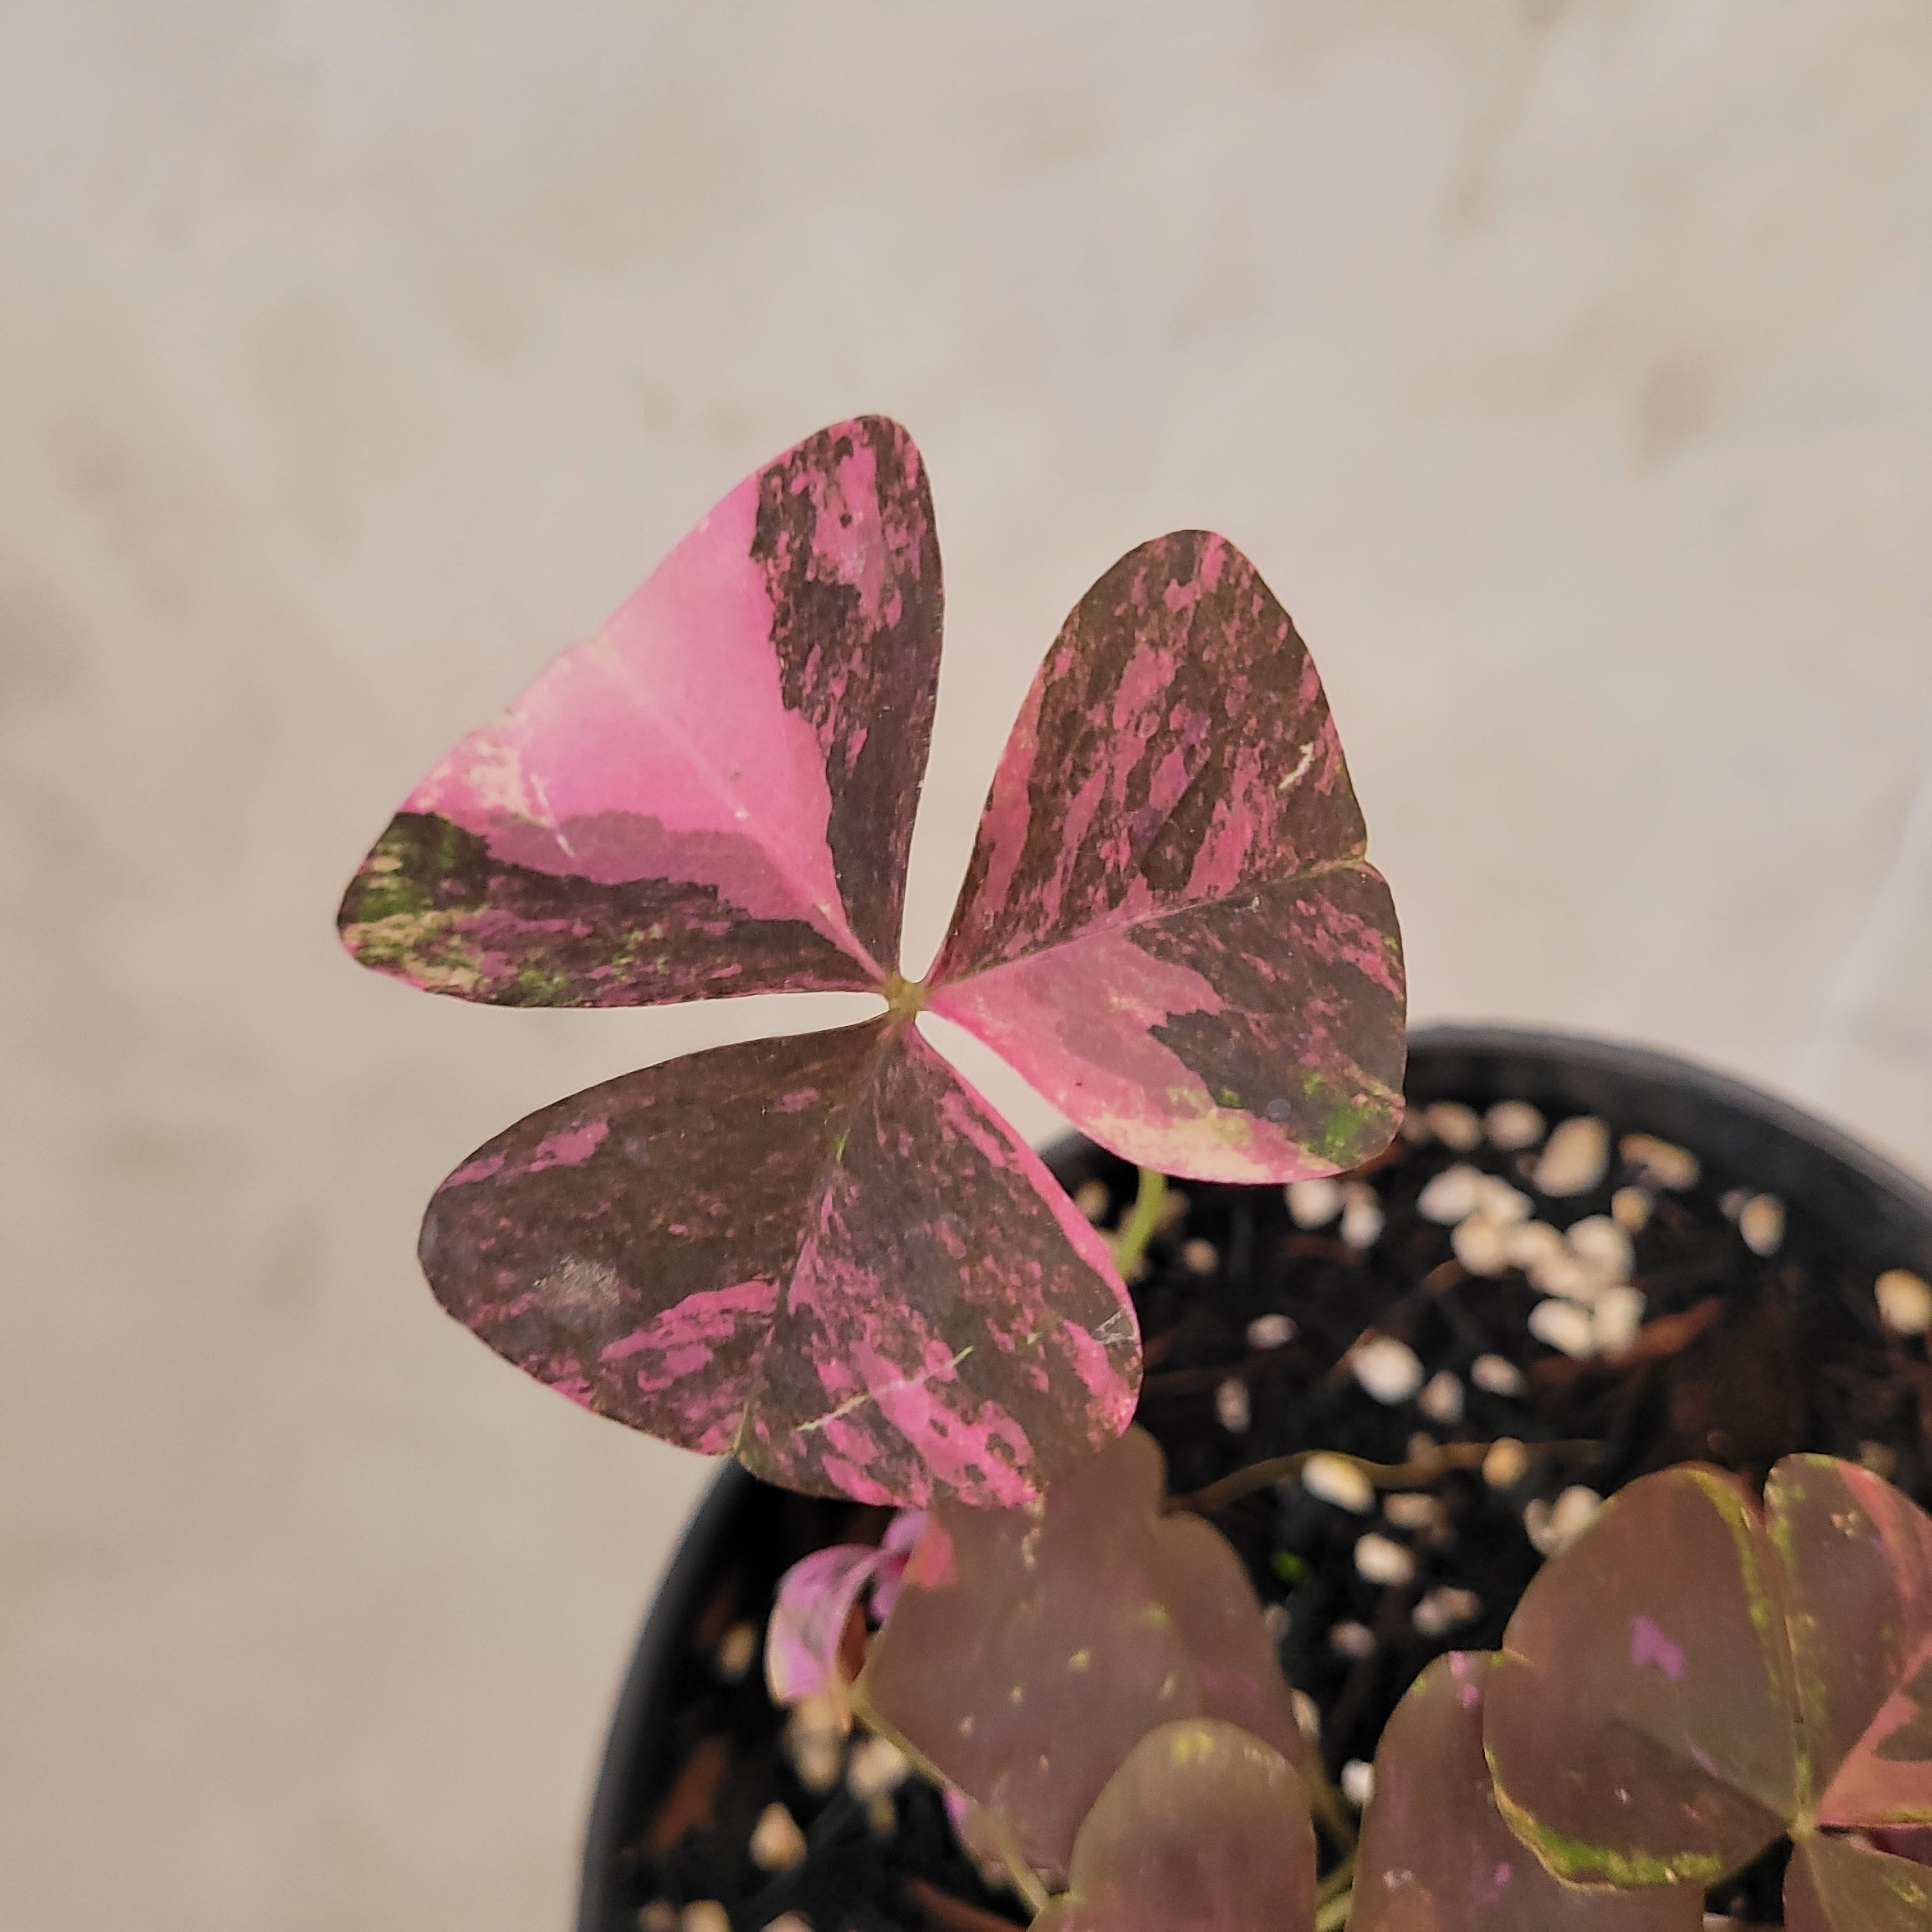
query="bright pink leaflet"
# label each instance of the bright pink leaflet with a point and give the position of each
(829, 1254)
(816, 1598)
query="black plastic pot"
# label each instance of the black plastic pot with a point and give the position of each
(1880, 1216)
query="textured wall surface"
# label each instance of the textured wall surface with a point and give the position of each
(1564, 370)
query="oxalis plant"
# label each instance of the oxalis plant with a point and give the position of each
(828, 1255)
(1700, 1675)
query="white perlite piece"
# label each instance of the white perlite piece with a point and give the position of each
(1506, 1463)
(1443, 1609)
(1761, 1221)
(1270, 1331)
(1576, 1508)
(1450, 1196)
(1334, 1479)
(1358, 1783)
(1496, 1200)
(1562, 1273)
(814, 1740)
(1553, 1527)
(1387, 1368)
(1616, 1317)
(1575, 1158)
(1361, 1215)
(1731, 1202)
(1904, 1302)
(1630, 1208)
(1514, 1125)
(1276, 1620)
(1092, 1199)
(1200, 1257)
(1662, 1163)
(816, 1715)
(704, 1915)
(1350, 1639)
(777, 1844)
(1313, 1204)
(788, 1921)
(1529, 1243)
(1496, 1374)
(1563, 1326)
(736, 1651)
(1459, 1128)
(1307, 1715)
(1441, 1399)
(1413, 1510)
(660, 1915)
(818, 1758)
(1232, 1408)
(877, 1765)
(1481, 1246)
(1536, 1524)
(1598, 1242)
(1380, 1559)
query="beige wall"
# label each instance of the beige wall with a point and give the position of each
(1565, 370)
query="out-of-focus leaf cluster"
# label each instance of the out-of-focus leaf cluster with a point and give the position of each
(1094, 1678)
(1696, 1677)
(1699, 1675)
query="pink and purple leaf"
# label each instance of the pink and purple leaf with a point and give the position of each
(1697, 1676)
(1202, 1829)
(829, 1254)
(1070, 1627)
(816, 1623)
(1435, 1854)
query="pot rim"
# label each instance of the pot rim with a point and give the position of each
(1884, 1213)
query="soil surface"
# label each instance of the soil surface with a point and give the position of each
(1260, 1334)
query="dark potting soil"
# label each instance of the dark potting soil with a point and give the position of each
(1741, 1357)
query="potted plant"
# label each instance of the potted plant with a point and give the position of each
(829, 1256)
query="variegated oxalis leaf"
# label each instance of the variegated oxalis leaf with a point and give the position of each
(716, 794)
(1203, 1829)
(1435, 1854)
(1169, 926)
(1859, 1595)
(1836, 1884)
(1069, 1628)
(766, 1249)
(1640, 1722)
(1694, 1677)
(808, 1634)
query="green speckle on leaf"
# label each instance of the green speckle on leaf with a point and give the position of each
(395, 879)
(1289, 1567)
(426, 946)
(538, 986)
(1346, 1129)
(1583, 1863)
